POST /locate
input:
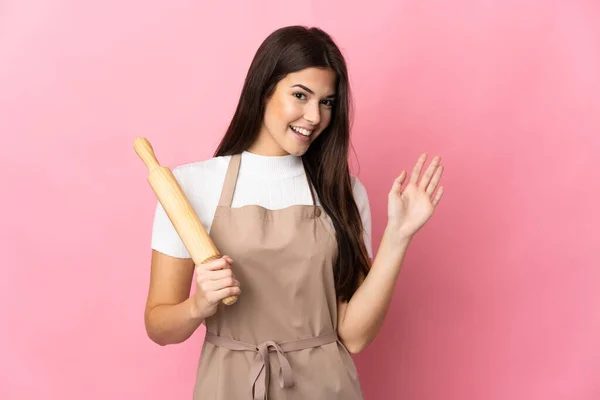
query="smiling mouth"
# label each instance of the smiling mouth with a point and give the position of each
(302, 131)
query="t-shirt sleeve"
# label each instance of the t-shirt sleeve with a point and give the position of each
(362, 201)
(164, 236)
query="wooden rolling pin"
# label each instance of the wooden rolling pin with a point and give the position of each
(178, 209)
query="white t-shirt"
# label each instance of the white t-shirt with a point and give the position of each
(270, 182)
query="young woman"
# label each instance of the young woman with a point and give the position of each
(278, 199)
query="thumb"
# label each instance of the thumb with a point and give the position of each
(397, 185)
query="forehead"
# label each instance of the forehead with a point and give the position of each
(319, 80)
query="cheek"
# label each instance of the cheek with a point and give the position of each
(287, 110)
(273, 113)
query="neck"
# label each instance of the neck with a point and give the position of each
(271, 167)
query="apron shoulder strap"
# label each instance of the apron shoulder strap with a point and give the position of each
(230, 181)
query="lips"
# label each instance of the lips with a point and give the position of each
(301, 130)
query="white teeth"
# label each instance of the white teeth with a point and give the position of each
(301, 130)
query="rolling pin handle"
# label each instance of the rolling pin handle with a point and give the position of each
(144, 150)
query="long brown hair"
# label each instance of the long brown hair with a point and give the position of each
(288, 50)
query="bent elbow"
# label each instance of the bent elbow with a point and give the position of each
(355, 349)
(355, 346)
(156, 338)
(152, 332)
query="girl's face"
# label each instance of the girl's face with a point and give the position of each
(296, 113)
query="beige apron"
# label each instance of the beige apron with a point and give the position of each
(279, 340)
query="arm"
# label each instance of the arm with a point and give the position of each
(409, 209)
(360, 319)
(170, 316)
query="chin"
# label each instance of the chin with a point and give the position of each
(297, 151)
(294, 149)
(291, 145)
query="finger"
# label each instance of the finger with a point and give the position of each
(435, 180)
(214, 265)
(208, 285)
(438, 196)
(217, 296)
(220, 274)
(414, 177)
(398, 182)
(224, 283)
(429, 172)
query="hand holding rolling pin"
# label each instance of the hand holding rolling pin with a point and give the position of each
(215, 282)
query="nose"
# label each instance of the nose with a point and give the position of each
(312, 113)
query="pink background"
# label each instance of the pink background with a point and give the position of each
(499, 297)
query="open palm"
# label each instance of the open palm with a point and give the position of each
(410, 208)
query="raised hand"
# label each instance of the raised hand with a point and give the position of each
(410, 208)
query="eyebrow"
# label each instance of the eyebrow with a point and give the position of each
(311, 92)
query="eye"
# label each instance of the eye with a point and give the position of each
(328, 103)
(298, 95)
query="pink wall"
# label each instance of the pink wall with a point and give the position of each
(499, 297)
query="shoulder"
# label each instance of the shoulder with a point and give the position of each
(364, 208)
(358, 190)
(191, 173)
(361, 198)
